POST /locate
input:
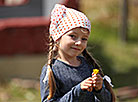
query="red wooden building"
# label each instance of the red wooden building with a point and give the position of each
(24, 32)
(24, 28)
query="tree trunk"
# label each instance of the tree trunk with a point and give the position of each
(124, 22)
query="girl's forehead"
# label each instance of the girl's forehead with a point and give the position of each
(80, 30)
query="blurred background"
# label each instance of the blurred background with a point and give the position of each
(23, 44)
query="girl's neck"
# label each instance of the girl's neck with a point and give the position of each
(71, 61)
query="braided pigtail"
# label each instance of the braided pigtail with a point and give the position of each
(51, 79)
(93, 62)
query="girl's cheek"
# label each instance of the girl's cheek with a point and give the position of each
(84, 45)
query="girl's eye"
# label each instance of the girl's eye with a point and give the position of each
(84, 39)
(72, 36)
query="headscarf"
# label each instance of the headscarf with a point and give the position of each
(64, 19)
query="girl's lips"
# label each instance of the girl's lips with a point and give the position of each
(75, 48)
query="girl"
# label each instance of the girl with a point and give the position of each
(68, 76)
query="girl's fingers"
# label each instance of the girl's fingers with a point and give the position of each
(86, 87)
(86, 84)
(89, 79)
(97, 87)
(97, 81)
(97, 77)
(89, 84)
(90, 89)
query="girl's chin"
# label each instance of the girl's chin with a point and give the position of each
(75, 54)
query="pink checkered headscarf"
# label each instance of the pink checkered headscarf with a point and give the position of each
(64, 19)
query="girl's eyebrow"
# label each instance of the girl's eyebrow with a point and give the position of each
(86, 35)
(74, 32)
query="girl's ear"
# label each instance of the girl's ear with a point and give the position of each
(55, 48)
(56, 45)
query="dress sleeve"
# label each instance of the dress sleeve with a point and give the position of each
(103, 95)
(44, 85)
(71, 96)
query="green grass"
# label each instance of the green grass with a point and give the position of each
(11, 92)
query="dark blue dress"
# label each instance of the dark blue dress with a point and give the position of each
(68, 79)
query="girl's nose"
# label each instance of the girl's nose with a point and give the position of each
(78, 42)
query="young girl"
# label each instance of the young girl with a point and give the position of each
(68, 76)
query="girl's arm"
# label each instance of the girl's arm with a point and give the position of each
(95, 85)
(103, 95)
(99, 89)
(74, 95)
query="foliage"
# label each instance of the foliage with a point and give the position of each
(118, 59)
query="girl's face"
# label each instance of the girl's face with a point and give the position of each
(72, 43)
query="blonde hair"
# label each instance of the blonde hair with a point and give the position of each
(51, 79)
(88, 57)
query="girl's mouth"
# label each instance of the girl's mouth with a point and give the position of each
(76, 48)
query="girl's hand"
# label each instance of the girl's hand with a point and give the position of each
(87, 84)
(97, 81)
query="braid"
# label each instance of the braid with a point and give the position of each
(51, 79)
(93, 62)
(50, 55)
